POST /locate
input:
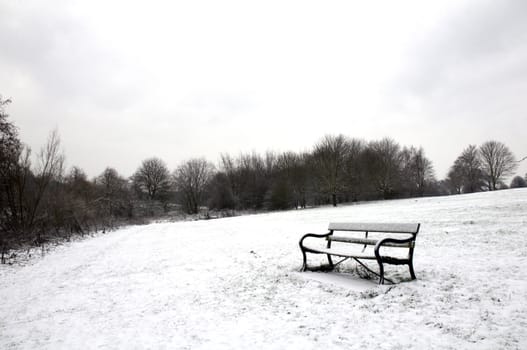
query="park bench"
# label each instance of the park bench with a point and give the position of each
(354, 240)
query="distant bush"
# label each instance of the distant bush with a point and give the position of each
(518, 182)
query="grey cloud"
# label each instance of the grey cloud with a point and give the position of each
(62, 58)
(469, 70)
(480, 35)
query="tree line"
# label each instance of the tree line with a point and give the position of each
(40, 200)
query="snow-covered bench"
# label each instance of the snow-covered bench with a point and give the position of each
(343, 241)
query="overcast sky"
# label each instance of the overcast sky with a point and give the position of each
(127, 80)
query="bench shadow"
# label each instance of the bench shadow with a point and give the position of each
(345, 280)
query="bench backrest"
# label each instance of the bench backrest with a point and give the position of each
(408, 228)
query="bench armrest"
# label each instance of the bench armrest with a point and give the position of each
(312, 235)
(384, 241)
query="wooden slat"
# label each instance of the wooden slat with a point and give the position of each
(347, 239)
(375, 227)
(340, 252)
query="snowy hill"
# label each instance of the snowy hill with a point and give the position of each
(232, 283)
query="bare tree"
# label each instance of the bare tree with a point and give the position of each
(229, 168)
(28, 191)
(418, 172)
(329, 158)
(110, 181)
(79, 202)
(10, 149)
(454, 180)
(497, 162)
(49, 168)
(254, 177)
(113, 196)
(191, 179)
(250, 177)
(292, 177)
(382, 162)
(78, 183)
(26, 202)
(152, 178)
(468, 167)
(352, 170)
(220, 192)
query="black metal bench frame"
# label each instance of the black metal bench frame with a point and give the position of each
(410, 230)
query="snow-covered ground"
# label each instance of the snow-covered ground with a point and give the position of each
(233, 283)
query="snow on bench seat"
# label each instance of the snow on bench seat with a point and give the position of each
(374, 227)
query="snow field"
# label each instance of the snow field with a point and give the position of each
(233, 284)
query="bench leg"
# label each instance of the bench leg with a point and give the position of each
(381, 273)
(381, 267)
(330, 261)
(304, 263)
(411, 266)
